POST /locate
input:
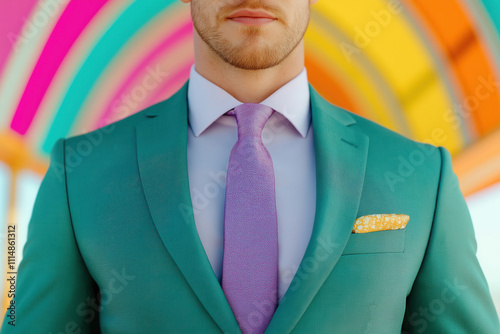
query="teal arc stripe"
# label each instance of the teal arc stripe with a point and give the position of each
(138, 14)
(493, 8)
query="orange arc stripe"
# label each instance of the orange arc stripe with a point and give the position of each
(479, 166)
(328, 86)
(469, 59)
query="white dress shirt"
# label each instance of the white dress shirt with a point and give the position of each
(289, 140)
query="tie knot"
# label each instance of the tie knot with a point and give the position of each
(251, 118)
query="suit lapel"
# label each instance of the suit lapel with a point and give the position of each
(162, 159)
(341, 155)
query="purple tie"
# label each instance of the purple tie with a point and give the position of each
(250, 262)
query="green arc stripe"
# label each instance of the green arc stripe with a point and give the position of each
(493, 8)
(126, 25)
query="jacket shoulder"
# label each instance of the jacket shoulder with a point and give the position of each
(385, 141)
(121, 130)
(398, 161)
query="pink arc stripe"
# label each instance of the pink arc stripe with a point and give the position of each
(14, 16)
(183, 32)
(73, 21)
(162, 92)
(171, 86)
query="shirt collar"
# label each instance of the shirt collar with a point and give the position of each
(207, 102)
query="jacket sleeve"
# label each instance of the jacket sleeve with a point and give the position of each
(450, 293)
(53, 284)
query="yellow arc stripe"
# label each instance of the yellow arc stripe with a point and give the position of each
(382, 35)
(350, 75)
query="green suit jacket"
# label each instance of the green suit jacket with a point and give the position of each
(113, 248)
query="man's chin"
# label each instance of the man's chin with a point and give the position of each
(251, 62)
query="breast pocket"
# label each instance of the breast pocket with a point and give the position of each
(392, 241)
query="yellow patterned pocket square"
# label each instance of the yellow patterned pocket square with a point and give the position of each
(381, 222)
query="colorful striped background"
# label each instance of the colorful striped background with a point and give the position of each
(426, 69)
(422, 68)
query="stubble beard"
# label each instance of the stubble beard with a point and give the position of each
(243, 54)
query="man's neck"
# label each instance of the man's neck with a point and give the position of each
(247, 86)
